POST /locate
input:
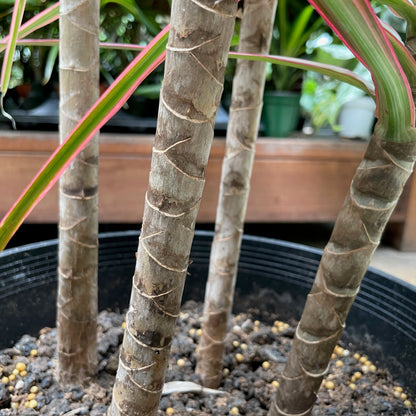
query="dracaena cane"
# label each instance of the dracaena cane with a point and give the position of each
(373, 194)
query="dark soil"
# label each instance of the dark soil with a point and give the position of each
(256, 354)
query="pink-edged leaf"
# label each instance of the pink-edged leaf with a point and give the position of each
(108, 105)
(339, 73)
(403, 54)
(42, 19)
(355, 22)
(332, 71)
(55, 42)
(6, 70)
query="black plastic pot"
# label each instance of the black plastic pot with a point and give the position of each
(382, 322)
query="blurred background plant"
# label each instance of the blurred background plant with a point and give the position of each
(295, 23)
(35, 69)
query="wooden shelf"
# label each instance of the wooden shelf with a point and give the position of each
(294, 179)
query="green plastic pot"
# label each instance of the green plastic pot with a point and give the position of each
(281, 112)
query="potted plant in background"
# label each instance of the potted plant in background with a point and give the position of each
(295, 23)
(330, 104)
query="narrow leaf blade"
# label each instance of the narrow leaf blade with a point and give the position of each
(108, 104)
(6, 70)
(341, 74)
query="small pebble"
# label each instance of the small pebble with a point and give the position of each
(20, 366)
(33, 404)
(239, 357)
(266, 365)
(339, 350)
(329, 385)
(19, 384)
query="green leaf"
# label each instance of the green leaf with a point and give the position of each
(282, 18)
(50, 64)
(108, 104)
(299, 28)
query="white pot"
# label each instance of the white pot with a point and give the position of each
(356, 118)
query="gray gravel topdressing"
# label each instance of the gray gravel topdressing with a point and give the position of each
(248, 383)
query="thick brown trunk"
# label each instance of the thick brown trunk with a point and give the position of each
(373, 195)
(78, 224)
(196, 56)
(245, 111)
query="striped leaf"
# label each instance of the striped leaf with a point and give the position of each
(108, 105)
(356, 24)
(6, 69)
(40, 20)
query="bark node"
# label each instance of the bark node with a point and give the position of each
(78, 200)
(196, 56)
(245, 111)
(374, 192)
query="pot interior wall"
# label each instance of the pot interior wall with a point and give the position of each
(277, 275)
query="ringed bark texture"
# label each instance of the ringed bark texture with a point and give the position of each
(245, 111)
(374, 193)
(78, 200)
(196, 57)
